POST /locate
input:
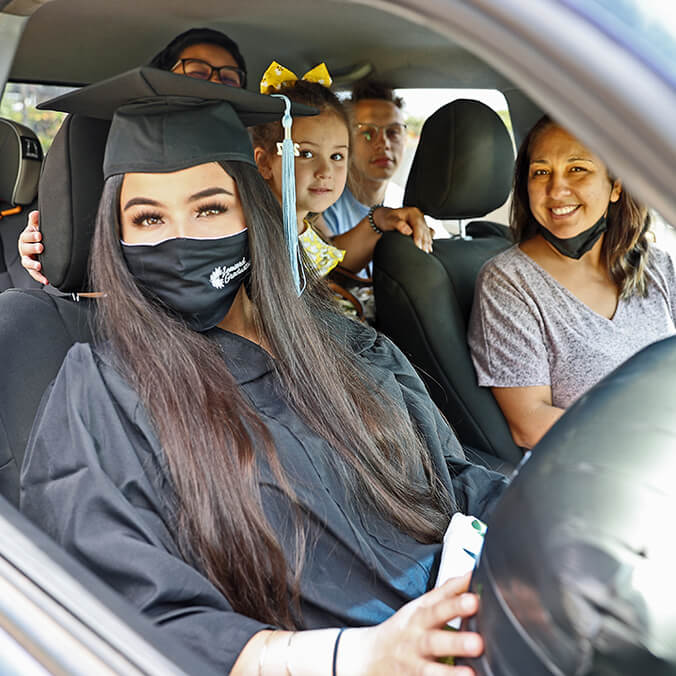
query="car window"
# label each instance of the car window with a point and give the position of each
(665, 234)
(19, 103)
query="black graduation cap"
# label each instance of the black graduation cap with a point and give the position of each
(165, 122)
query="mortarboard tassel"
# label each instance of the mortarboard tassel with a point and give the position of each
(289, 193)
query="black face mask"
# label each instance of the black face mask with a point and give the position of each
(576, 247)
(197, 279)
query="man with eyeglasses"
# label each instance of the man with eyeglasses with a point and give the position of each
(378, 142)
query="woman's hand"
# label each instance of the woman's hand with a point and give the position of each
(415, 637)
(409, 221)
(30, 245)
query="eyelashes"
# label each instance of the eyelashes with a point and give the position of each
(575, 169)
(148, 219)
(215, 207)
(140, 218)
(310, 155)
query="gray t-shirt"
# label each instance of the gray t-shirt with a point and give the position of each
(526, 329)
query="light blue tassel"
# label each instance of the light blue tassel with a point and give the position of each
(289, 193)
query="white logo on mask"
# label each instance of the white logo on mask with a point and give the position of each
(220, 275)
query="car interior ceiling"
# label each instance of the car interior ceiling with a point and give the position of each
(360, 37)
(359, 43)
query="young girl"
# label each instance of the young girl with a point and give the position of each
(321, 144)
(208, 461)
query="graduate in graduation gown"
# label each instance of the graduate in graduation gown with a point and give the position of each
(253, 470)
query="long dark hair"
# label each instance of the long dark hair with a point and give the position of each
(626, 243)
(167, 57)
(213, 452)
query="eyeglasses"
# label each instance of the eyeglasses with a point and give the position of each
(369, 132)
(202, 70)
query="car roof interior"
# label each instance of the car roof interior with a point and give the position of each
(354, 40)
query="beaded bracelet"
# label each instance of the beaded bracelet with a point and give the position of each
(372, 223)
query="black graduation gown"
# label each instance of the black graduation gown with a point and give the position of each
(95, 479)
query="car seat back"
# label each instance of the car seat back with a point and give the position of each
(462, 169)
(37, 328)
(20, 163)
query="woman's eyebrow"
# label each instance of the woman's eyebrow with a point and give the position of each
(136, 201)
(209, 192)
(570, 159)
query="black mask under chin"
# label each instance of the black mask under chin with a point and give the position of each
(576, 247)
(196, 279)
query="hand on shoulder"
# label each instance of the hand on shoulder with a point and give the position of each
(408, 221)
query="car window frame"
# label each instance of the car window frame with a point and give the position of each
(51, 589)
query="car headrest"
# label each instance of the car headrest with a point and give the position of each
(20, 162)
(463, 165)
(68, 199)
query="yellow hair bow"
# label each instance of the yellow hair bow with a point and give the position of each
(276, 77)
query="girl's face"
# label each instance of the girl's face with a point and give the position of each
(198, 202)
(321, 168)
(568, 185)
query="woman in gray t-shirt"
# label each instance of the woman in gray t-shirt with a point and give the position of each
(581, 291)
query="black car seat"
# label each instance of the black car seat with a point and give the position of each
(462, 169)
(38, 327)
(20, 162)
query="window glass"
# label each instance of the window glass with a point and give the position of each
(665, 234)
(18, 104)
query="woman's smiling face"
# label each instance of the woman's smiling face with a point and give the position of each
(568, 186)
